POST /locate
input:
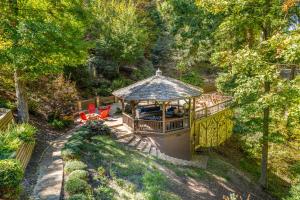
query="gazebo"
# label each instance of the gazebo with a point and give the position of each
(158, 105)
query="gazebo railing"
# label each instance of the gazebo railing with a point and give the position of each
(204, 112)
(156, 126)
(177, 124)
(149, 126)
(128, 120)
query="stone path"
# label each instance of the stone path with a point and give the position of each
(146, 146)
(50, 179)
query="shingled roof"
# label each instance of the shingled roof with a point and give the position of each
(159, 88)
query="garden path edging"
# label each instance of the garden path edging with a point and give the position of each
(50, 179)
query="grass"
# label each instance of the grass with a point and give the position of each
(131, 175)
(117, 172)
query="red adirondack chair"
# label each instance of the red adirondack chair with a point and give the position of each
(83, 117)
(91, 108)
(104, 112)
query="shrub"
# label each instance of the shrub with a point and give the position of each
(74, 144)
(76, 186)
(78, 174)
(78, 197)
(11, 175)
(12, 138)
(69, 154)
(104, 193)
(74, 165)
(97, 128)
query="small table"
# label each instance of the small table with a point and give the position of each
(93, 116)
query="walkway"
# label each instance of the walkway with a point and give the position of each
(50, 179)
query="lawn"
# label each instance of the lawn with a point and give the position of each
(118, 172)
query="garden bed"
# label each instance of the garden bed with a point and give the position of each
(98, 167)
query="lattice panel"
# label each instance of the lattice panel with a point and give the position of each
(213, 130)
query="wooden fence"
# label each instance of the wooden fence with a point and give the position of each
(98, 101)
(23, 154)
(6, 118)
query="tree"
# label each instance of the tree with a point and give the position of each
(252, 62)
(38, 38)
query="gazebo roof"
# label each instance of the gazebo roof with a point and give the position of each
(159, 88)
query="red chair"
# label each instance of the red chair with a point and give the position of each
(91, 108)
(104, 112)
(83, 117)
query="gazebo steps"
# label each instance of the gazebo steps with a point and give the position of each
(146, 146)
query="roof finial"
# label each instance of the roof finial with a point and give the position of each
(158, 72)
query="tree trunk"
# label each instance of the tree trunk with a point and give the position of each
(22, 105)
(263, 180)
(293, 73)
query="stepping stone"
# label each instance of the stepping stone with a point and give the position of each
(147, 148)
(153, 151)
(124, 135)
(135, 141)
(126, 140)
(141, 145)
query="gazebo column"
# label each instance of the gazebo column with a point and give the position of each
(164, 116)
(133, 111)
(123, 105)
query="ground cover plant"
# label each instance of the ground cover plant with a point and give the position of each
(117, 172)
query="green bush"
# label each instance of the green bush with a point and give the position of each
(69, 154)
(74, 165)
(78, 197)
(78, 174)
(60, 124)
(294, 193)
(76, 186)
(103, 193)
(11, 175)
(12, 138)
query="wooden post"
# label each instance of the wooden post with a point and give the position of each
(97, 101)
(164, 117)
(79, 106)
(123, 105)
(133, 104)
(194, 109)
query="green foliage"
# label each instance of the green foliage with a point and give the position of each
(57, 38)
(7, 104)
(78, 174)
(78, 197)
(192, 78)
(76, 186)
(12, 138)
(121, 36)
(60, 124)
(11, 176)
(104, 193)
(73, 165)
(69, 154)
(294, 193)
(153, 183)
